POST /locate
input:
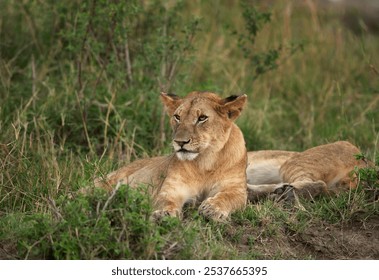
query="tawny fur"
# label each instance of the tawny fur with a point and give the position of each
(325, 169)
(209, 162)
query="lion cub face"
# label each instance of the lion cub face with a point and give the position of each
(199, 119)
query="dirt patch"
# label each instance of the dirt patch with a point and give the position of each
(358, 239)
(8, 251)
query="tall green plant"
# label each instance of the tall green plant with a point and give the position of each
(106, 63)
(260, 61)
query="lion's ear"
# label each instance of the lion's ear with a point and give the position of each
(233, 105)
(171, 102)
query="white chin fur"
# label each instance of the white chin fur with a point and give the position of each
(186, 156)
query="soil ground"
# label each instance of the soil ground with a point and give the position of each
(356, 240)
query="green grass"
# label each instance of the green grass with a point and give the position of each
(79, 88)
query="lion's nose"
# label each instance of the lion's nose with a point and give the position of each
(182, 142)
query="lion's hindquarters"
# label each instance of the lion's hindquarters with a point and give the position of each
(333, 164)
(325, 169)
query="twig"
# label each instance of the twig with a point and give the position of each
(111, 196)
(32, 28)
(118, 137)
(162, 132)
(34, 244)
(373, 68)
(83, 119)
(89, 26)
(109, 109)
(54, 207)
(127, 61)
(34, 76)
(107, 50)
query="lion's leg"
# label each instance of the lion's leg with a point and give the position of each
(170, 200)
(305, 188)
(167, 205)
(220, 204)
(257, 192)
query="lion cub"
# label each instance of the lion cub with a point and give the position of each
(209, 160)
(325, 169)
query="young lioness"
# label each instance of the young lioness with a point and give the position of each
(209, 160)
(325, 169)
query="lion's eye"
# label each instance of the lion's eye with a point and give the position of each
(202, 118)
(177, 117)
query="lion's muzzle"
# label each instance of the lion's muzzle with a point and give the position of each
(183, 152)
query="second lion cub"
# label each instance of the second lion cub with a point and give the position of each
(325, 169)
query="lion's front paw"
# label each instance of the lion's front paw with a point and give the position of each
(210, 211)
(158, 215)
